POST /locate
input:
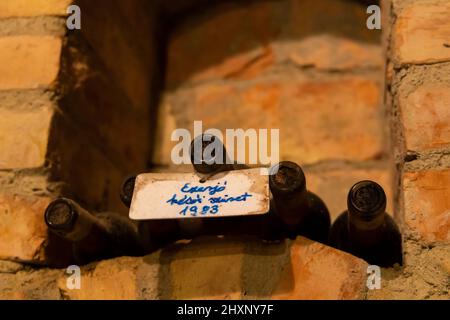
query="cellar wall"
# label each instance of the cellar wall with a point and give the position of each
(82, 109)
(76, 113)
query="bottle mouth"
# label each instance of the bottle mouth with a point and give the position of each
(204, 159)
(289, 177)
(366, 199)
(60, 214)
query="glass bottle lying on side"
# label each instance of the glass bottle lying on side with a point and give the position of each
(365, 229)
(93, 236)
(154, 234)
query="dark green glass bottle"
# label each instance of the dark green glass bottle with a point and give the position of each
(297, 210)
(154, 234)
(207, 164)
(365, 229)
(93, 237)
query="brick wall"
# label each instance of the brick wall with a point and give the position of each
(31, 42)
(75, 111)
(419, 83)
(418, 94)
(77, 115)
(310, 68)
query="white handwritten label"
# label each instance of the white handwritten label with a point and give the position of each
(182, 195)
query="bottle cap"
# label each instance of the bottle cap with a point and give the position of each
(60, 214)
(288, 178)
(211, 160)
(366, 199)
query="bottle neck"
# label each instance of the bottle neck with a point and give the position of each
(82, 223)
(88, 226)
(366, 203)
(291, 207)
(288, 186)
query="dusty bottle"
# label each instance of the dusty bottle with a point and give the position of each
(154, 234)
(207, 163)
(365, 229)
(208, 157)
(294, 210)
(157, 233)
(94, 237)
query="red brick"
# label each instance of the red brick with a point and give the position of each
(116, 279)
(202, 51)
(220, 263)
(319, 272)
(30, 285)
(29, 61)
(301, 269)
(242, 41)
(24, 137)
(27, 8)
(320, 119)
(425, 114)
(427, 204)
(421, 33)
(331, 119)
(333, 53)
(23, 232)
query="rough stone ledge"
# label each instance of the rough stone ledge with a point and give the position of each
(206, 268)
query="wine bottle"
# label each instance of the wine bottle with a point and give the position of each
(154, 234)
(295, 210)
(208, 157)
(365, 229)
(93, 237)
(208, 162)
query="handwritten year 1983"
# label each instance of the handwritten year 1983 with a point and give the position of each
(204, 200)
